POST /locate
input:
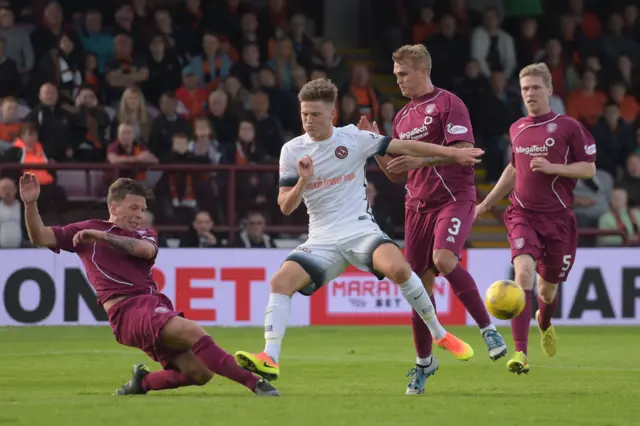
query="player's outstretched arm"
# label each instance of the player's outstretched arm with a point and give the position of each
(132, 246)
(578, 170)
(420, 149)
(289, 198)
(39, 235)
(395, 177)
(501, 189)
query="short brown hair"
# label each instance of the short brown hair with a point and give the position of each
(28, 128)
(537, 70)
(416, 54)
(320, 89)
(125, 186)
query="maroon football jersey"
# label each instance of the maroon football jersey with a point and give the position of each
(439, 117)
(110, 271)
(558, 138)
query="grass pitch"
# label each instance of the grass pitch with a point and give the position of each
(330, 376)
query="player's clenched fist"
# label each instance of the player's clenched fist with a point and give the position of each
(305, 167)
(467, 156)
(542, 165)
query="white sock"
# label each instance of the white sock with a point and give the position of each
(275, 323)
(423, 362)
(419, 300)
(487, 328)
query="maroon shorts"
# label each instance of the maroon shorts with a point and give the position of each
(137, 322)
(551, 239)
(445, 228)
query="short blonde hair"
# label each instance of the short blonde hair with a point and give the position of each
(538, 70)
(416, 54)
(320, 89)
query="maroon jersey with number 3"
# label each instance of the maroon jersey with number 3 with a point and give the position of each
(559, 139)
(439, 117)
(110, 271)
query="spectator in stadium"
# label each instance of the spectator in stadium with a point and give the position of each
(92, 122)
(95, 38)
(200, 234)
(380, 213)
(249, 34)
(166, 125)
(493, 47)
(564, 77)
(425, 27)
(132, 109)
(366, 95)
(253, 235)
(165, 71)
(614, 137)
(283, 62)
(11, 235)
(90, 75)
(126, 150)
(268, 130)
(302, 43)
(473, 89)
(247, 69)
(28, 150)
(191, 15)
(61, 67)
(591, 198)
(47, 35)
(10, 124)
(191, 95)
(629, 107)
(587, 103)
(631, 180)
(181, 42)
(181, 188)
(124, 70)
(247, 149)
(387, 115)
(588, 21)
(238, 97)
(18, 44)
(451, 51)
(137, 30)
(631, 22)
(612, 43)
(629, 75)
(273, 19)
(10, 79)
(334, 65)
(212, 66)
(204, 143)
(298, 79)
(349, 111)
(619, 217)
(55, 125)
(282, 104)
(529, 46)
(224, 123)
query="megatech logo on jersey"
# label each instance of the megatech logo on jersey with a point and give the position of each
(537, 150)
(418, 132)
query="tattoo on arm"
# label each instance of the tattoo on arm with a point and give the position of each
(124, 244)
(441, 161)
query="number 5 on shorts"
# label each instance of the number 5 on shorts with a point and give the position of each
(567, 263)
(455, 226)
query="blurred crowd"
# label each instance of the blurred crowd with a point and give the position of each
(199, 82)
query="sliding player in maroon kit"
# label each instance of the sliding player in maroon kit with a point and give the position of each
(440, 203)
(118, 257)
(549, 153)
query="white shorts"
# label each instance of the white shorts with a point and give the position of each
(325, 260)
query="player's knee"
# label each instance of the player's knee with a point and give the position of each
(547, 292)
(399, 274)
(180, 332)
(281, 285)
(524, 278)
(445, 261)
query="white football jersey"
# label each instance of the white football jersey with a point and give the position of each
(336, 197)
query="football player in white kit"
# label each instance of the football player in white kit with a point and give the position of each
(325, 168)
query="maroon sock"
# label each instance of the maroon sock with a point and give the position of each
(520, 325)
(546, 312)
(165, 379)
(466, 289)
(422, 339)
(220, 362)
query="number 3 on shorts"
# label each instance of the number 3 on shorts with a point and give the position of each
(455, 226)
(567, 263)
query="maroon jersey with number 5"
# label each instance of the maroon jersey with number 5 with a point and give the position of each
(557, 138)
